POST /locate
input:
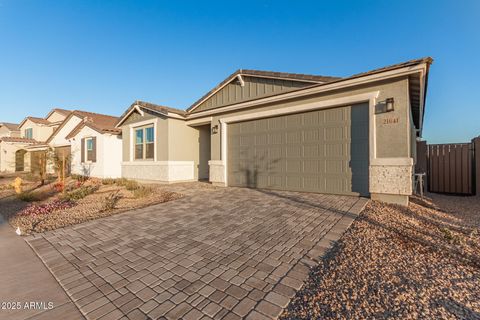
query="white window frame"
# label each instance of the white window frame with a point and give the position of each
(139, 125)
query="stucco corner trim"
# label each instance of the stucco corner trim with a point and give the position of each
(217, 172)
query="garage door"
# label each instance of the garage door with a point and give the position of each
(322, 151)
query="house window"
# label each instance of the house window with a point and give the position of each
(89, 143)
(29, 133)
(144, 143)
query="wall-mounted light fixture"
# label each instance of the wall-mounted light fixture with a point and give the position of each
(389, 105)
(215, 129)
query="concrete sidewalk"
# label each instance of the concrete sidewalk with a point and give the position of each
(25, 279)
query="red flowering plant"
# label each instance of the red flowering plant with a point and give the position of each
(58, 187)
(42, 209)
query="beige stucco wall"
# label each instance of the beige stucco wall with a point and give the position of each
(40, 132)
(5, 132)
(56, 117)
(7, 156)
(183, 143)
(176, 149)
(161, 134)
(15, 134)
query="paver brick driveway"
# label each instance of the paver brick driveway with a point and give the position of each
(224, 254)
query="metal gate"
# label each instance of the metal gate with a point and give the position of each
(451, 168)
(20, 160)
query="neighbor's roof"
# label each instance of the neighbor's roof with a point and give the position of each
(16, 139)
(314, 79)
(152, 107)
(37, 120)
(101, 123)
(10, 126)
(61, 111)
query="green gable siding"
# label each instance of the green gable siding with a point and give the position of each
(254, 87)
(136, 117)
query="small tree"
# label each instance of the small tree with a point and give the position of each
(42, 167)
(61, 162)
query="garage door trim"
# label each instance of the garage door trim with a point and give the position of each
(369, 97)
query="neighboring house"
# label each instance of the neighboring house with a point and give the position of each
(19, 150)
(96, 145)
(58, 142)
(40, 130)
(13, 154)
(9, 129)
(352, 136)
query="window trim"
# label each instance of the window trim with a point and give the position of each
(86, 149)
(134, 143)
(25, 133)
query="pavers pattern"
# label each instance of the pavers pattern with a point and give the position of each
(226, 254)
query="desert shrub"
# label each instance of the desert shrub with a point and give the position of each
(29, 196)
(30, 176)
(111, 201)
(108, 181)
(450, 236)
(120, 181)
(41, 209)
(80, 193)
(79, 177)
(5, 187)
(142, 192)
(131, 185)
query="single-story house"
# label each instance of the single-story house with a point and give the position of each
(96, 146)
(354, 135)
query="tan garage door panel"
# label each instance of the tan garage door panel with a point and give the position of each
(320, 151)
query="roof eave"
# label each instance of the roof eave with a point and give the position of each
(247, 73)
(373, 76)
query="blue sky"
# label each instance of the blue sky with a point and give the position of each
(102, 55)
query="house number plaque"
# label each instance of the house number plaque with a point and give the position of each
(390, 120)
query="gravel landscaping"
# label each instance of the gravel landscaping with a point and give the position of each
(6, 187)
(47, 207)
(397, 262)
